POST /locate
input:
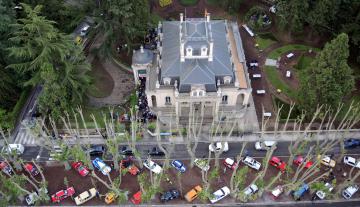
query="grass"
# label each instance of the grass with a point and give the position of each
(13, 115)
(304, 62)
(273, 76)
(188, 2)
(265, 40)
(103, 83)
(155, 19)
(275, 54)
(286, 108)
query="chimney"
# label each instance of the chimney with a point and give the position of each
(211, 50)
(141, 49)
(208, 17)
(181, 17)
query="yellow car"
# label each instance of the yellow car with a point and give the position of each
(193, 193)
(327, 161)
(110, 197)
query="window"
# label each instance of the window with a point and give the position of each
(194, 93)
(167, 81)
(167, 100)
(227, 79)
(201, 93)
(224, 99)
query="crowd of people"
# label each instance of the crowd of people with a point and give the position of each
(144, 113)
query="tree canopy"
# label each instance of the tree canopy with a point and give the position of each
(329, 78)
(51, 59)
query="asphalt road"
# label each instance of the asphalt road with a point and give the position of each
(180, 151)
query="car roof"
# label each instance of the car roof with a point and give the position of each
(275, 159)
(229, 161)
(351, 159)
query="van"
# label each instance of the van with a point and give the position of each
(350, 191)
(85, 196)
(17, 148)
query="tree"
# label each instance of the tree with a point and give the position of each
(292, 14)
(51, 59)
(329, 78)
(323, 15)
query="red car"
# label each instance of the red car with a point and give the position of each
(230, 163)
(136, 198)
(5, 168)
(80, 168)
(61, 195)
(130, 166)
(300, 160)
(31, 169)
(278, 163)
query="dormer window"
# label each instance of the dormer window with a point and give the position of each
(227, 79)
(189, 51)
(204, 51)
(198, 93)
(167, 81)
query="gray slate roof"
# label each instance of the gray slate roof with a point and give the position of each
(142, 58)
(195, 71)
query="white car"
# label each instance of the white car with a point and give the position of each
(152, 166)
(31, 198)
(321, 194)
(251, 162)
(350, 191)
(17, 148)
(351, 161)
(265, 145)
(202, 164)
(218, 146)
(251, 189)
(220, 194)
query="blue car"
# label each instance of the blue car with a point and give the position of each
(100, 165)
(300, 191)
(178, 165)
(351, 143)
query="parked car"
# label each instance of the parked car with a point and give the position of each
(125, 150)
(202, 164)
(96, 150)
(80, 168)
(218, 146)
(351, 161)
(152, 166)
(31, 169)
(251, 162)
(101, 166)
(136, 198)
(351, 143)
(278, 190)
(85, 196)
(300, 191)
(110, 197)
(128, 164)
(177, 164)
(14, 148)
(251, 189)
(169, 195)
(299, 160)
(220, 194)
(31, 198)
(62, 194)
(326, 160)
(350, 191)
(278, 163)
(265, 145)
(321, 194)
(155, 151)
(230, 163)
(193, 193)
(5, 168)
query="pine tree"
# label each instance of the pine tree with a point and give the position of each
(329, 78)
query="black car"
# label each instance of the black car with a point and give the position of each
(156, 152)
(351, 143)
(169, 195)
(125, 150)
(97, 150)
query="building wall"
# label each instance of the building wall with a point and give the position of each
(161, 94)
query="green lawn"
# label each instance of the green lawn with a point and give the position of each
(103, 83)
(288, 48)
(188, 2)
(286, 108)
(304, 62)
(273, 76)
(263, 42)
